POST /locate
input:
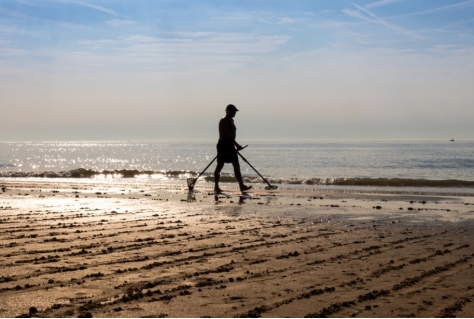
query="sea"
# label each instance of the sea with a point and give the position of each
(409, 167)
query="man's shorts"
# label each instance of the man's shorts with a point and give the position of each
(226, 151)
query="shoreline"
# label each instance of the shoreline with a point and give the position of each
(355, 183)
(180, 184)
(124, 250)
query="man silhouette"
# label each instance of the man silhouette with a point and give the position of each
(226, 149)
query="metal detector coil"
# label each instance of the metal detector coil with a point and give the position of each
(191, 182)
(271, 187)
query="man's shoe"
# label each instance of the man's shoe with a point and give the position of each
(245, 188)
(217, 190)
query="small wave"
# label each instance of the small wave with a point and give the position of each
(393, 182)
(88, 173)
(178, 174)
(6, 165)
(404, 182)
(224, 179)
(379, 182)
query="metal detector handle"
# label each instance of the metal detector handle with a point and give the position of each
(244, 146)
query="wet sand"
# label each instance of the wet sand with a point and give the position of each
(110, 250)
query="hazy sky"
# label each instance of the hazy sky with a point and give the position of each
(165, 70)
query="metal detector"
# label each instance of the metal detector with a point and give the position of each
(270, 186)
(192, 181)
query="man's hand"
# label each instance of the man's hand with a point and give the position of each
(240, 147)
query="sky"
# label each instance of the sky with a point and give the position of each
(296, 70)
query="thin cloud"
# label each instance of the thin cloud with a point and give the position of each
(469, 3)
(381, 3)
(373, 18)
(179, 51)
(91, 6)
(120, 23)
(11, 52)
(252, 16)
(286, 20)
(457, 23)
(260, 17)
(28, 3)
(17, 15)
(72, 26)
(202, 43)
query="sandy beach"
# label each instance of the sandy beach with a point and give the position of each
(122, 250)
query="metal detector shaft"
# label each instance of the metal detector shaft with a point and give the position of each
(206, 167)
(245, 160)
(192, 181)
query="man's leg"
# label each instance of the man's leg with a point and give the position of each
(238, 176)
(217, 175)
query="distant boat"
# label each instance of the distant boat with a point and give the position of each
(452, 140)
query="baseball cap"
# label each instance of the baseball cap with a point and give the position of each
(231, 107)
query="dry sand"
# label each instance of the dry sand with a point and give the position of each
(106, 250)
